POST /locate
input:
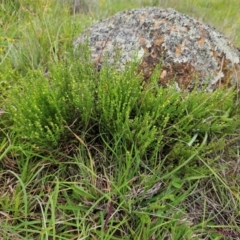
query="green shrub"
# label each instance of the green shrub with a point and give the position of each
(41, 104)
(36, 110)
(120, 106)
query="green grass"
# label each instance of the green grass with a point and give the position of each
(88, 155)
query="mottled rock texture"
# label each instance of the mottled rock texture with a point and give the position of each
(193, 54)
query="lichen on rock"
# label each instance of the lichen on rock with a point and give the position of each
(191, 52)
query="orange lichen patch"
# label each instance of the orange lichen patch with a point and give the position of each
(142, 42)
(201, 41)
(182, 73)
(201, 28)
(142, 17)
(214, 54)
(154, 55)
(228, 72)
(157, 24)
(185, 74)
(174, 28)
(158, 40)
(147, 66)
(163, 74)
(153, 51)
(178, 29)
(178, 50)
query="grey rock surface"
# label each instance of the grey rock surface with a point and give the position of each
(192, 53)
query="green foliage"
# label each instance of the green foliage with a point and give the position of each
(153, 118)
(141, 162)
(37, 112)
(119, 105)
(40, 106)
(45, 32)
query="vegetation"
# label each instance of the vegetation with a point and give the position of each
(104, 155)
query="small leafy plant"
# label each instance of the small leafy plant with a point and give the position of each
(120, 106)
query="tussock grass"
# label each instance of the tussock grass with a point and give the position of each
(104, 155)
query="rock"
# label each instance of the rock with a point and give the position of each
(193, 54)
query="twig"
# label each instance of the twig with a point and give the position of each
(109, 214)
